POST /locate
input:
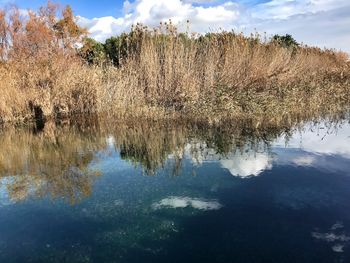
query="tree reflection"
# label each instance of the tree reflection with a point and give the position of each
(55, 160)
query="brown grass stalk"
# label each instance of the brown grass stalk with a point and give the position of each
(164, 73)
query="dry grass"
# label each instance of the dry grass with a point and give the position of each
(165, 74)
(227, 75)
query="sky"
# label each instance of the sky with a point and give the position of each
(323, 23)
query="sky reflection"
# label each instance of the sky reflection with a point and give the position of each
(154, 193)
(183, 202)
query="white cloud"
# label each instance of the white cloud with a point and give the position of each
(325, 23)
(319, 147)
(330, 237)
(151, 12)
(247, 164)
(282, 9)
(300, 158)
(183, 202)
(307, 160)
(104, 27)
(244, 164)
(322, 25)
(322, 140)
(200, 1)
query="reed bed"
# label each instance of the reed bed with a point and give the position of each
(160, 73)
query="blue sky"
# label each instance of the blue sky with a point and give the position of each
(324, 23)
(89, 9)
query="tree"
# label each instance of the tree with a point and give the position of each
(93, 52)
(4, 44)
(68, 30)
(285, 41)
(116, 48)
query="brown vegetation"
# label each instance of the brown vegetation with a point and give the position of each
(161, 73)
(52, 162)
(56, 160)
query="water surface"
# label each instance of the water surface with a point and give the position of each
(166, 192)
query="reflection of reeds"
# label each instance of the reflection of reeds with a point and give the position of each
(52, 162)
(149, 145)
(55, 161)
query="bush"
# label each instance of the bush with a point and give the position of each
(285, 41)
(93, 52)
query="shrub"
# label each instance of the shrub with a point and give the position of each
(285, 41)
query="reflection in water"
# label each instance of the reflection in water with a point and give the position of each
(176, 192)
(323, 138)
(183, 202)
(53, 162)
(247, 164)
(336, 237)
(56, 160)
(306, 160)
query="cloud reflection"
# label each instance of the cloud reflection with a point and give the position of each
(321, 140)
(183, 202)
(337, 240)
(247, 164)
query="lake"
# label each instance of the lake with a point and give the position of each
(104, 191)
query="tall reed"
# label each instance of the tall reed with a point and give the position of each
(160, 72)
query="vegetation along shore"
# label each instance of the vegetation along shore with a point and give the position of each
(49, 68)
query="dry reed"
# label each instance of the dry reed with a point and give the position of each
(164, 73)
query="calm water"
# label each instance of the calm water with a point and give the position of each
(175, 193)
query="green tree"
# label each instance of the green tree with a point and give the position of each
(93, 51)
(116, 48)
(285, 41)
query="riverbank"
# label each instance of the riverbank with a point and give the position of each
(160, 73)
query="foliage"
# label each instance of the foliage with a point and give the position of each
(67, 29)
(285, 41)
(116, 49)
(93, 51)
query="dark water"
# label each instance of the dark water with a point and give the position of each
(176, 193)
